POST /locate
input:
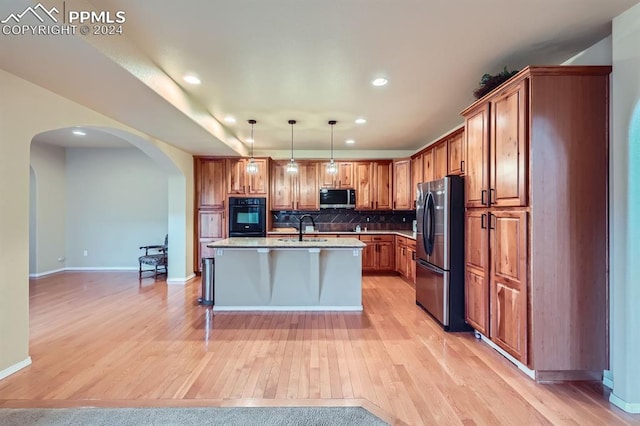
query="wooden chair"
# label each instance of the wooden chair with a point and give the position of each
(155, 256)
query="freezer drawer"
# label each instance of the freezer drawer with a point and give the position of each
(432, 291)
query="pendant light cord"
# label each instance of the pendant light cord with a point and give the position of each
(292, 122)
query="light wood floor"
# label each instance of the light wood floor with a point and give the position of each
(101, 339)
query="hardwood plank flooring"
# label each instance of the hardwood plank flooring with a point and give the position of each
(104, 339)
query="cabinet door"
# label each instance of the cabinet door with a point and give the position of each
(477, 159)
(210, 181)
(307, 191)
(508, 148)
(508, 296)
(402, 185)
(440, 160)
(477, 270)
(382, 186)
(385, 256)
(416, 178)
(369, 256)
(399, 247)
(456, 155)
(345, 175)
(212, 224)
(281, 187)
(258, 184)
(327, 180)
(363, 176)
(427, 166)
(235, 176)
(411, 265)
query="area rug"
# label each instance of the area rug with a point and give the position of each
(267, 416)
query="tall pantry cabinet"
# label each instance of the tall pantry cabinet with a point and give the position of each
(536, 221)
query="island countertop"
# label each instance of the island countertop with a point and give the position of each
(307, 242)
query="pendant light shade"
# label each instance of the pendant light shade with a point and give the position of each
(332, 167)
(292, 167)
(252, 166)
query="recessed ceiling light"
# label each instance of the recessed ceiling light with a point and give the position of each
(361, 120)
(191, 79)
(79, 133)
(350, 141)
(250, 140)
(379, 81)
(229, 119)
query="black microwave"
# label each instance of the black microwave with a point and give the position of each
(337, 198)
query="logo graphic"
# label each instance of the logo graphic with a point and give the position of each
(34, 11)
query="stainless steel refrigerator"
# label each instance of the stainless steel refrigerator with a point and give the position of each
(440, 251)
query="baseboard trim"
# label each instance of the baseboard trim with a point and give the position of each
(45, 273)
(607, 379)
(629, 407)
(357, 308)
(101, 268)
(180, 281)
(15, 368)
(526, 370)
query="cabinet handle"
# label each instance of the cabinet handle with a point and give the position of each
(462, 166)
(292, 205)
(492, 221)
(376, 204)
(243, 190)
(483, 221)
(413, 255)
(394, 205)
(223, 204)
(340, 183)
(483, 194)
(372, 204)
(222, 214)
(492, 196)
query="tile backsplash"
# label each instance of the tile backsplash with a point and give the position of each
(340, 220)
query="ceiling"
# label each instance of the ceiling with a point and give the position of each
(305, 60)
(86, 138)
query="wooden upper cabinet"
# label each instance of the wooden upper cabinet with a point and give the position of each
(383, 185)
(363, 172)
(210, 183)
(342, 180)
(428, 172)
(307, 192)
(282, 187)
(239, 182)
(477, 159)
(294, 191)
(440, 160)
(508, 148)
(416, 178)
(508, 294)
(402, 193)
(477, 270)
(456, 154)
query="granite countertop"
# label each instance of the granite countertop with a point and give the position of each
(408, 234)
(307, 242)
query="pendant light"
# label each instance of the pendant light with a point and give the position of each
(292, 167)
(252, 166)
(332, 167)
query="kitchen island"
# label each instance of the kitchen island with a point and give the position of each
(284, 274)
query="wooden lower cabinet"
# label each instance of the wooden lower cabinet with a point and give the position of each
(211, 227)
(406, 258)
(508, 291)
(477, 270)
(379, 254)
(496, 277)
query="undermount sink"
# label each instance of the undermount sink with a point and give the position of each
(294, 240)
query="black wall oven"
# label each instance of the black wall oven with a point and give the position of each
(247, 217)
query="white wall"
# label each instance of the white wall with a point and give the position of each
(48, 164)
(598, 54)
(116, 202)
(625, 212)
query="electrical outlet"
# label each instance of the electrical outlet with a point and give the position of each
(404, 219)
(367, 219)
(86, 253)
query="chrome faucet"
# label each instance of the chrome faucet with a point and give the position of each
(301, 219)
